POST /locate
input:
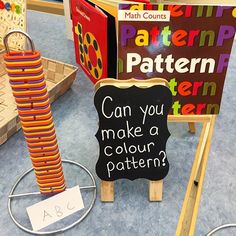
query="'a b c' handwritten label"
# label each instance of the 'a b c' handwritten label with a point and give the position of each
(55, 208)
(132, 132)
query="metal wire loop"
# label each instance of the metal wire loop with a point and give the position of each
(5, 39)
(88, 208)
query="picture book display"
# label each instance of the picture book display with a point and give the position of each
(188, 45)
(95, 36)
(13, 16)
(95, 40)
(132, 132)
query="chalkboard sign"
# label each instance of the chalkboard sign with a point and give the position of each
(132, 132)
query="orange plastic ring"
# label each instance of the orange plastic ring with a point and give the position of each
(49, 176)
(28, 86)
(39, 128)
(41, 139)
(38, 164)
(33, 104)
(54, 171)
(45, 158)
(35, 112)
(37, 123)
(48, 181)
(43, 154)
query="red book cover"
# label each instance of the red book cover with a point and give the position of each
(90, 26)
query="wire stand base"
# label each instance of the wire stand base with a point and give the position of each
(12, 195)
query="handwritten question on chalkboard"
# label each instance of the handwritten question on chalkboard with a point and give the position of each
(132, 132)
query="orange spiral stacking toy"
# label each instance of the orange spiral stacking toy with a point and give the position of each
(28, 84)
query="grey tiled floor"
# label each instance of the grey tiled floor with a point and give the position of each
(131, 213)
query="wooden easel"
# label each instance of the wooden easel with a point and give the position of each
(189, 211)
(155, 187)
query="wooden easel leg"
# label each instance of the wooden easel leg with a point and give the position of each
(192, 128)
(155, 191)
(188, 216)
(107, 191)
(201, 149)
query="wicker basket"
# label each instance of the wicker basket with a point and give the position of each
(59, 77)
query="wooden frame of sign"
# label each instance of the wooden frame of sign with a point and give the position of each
(155, 187)
(189, 211)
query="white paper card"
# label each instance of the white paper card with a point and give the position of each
(55, 208)
(145, 15)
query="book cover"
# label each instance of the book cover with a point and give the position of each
(188, 45)
(91, 28)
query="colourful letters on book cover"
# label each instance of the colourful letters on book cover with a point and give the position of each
(189, 45)
(90, 36)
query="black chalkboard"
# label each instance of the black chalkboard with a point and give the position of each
(132, 132)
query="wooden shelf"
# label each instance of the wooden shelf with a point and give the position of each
(44, 6)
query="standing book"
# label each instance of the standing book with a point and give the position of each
(188, 45)
(95, 25)
(95, 40)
